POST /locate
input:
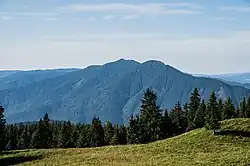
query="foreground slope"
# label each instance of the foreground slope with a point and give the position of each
(112, 92)
(198, 147)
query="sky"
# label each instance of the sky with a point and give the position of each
(194, 36)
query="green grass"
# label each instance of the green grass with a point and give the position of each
(198, 147)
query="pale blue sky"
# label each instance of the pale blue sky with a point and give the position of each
(195, 36)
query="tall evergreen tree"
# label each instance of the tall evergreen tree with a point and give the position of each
(228, 110)
(237, 112)
(248, 107)
(97, 133)
(64, 139)
(44, 134)
(179, 119)
(212, 117)
(220, 108)
(167, 125)
(243, 108)
(108, 132)
(193, 107)
(133, 130)
(75, 135)
(2, 128)
(123, 135)
(115, 138)
(150, 118)
(12, 138)
(24, 139)
(199, 119)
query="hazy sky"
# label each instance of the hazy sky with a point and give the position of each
(195, 36)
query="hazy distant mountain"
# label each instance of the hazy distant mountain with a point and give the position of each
(14, 79)
(112, 92)
(7, 73)
(240, 79)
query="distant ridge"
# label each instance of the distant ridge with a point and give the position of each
(111, 91)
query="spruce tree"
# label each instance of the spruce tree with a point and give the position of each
(179, 120)
(213, 115)
(123, 135)
(237, 113)
(248, 107)
(64, 139)
(97, 132)
(228, 110)
(243, 108)
(43, 136)
(167, 125)
(75, 136)
(133, 130)
(84, 137)
(2, 129)
(115, 138)
(193, 107)
(24, 139)
(108, 132)
(199, 119)
(12, 138)
(220, 109)
(150, 118)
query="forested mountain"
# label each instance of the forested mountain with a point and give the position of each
(14, 79)
(112, 92)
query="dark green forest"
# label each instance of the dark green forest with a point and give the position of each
(151, 124)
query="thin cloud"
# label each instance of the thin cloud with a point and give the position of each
(4, 18)
(224, 18)
(109, 37)
(145, 8)
(236, 9)
(130, 17)
(28, 14)
(108, 17)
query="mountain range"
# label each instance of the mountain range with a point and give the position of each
(111, 91)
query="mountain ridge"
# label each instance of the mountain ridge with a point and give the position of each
(111, 91)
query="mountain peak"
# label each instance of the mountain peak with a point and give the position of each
(154, 62)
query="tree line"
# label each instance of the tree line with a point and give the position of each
(151, 124)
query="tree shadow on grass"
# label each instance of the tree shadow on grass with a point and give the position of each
(18, 160)
(12, 152)
(232, 133)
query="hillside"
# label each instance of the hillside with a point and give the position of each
(198, 147)
(112, 91)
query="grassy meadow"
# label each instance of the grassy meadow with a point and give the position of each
(198, 147)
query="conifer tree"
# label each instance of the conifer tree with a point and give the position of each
(237, 113)
(243, 108)
(108, 132)
(193, 107)
(212, 117)
(228, 110)
(97, 131)
(150, 118)
(199, 119)
(43, 137)
(220, 108)
(2, 129)
(75, 136)
(248, 107)
(167, 125)
(84, 137)
(12, 138)
(133, 130)
(24, 139)
(179, 119)
(64, 139)
(115, 138)
(123, 135)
